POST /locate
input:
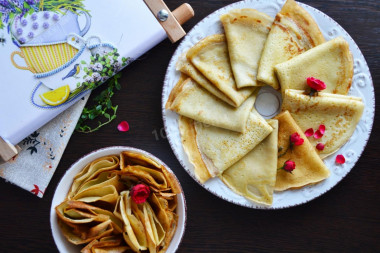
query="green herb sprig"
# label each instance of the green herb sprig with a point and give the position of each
(103, 107)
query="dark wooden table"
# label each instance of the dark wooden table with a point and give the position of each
(345, 219)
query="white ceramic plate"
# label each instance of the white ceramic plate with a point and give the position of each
(64, 185)
(362, 86)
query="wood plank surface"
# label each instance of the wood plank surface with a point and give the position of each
(345, 219)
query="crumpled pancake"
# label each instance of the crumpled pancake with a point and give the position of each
(190, 100)
(293, 32)
(310, 168)
(212, 150)
(340, 114)
(210, 57)
(246, 32)
(92, 170)
(254, 176)
(330, 62)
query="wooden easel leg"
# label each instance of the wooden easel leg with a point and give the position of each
(7, 151)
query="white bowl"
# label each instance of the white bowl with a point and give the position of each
(64, 185)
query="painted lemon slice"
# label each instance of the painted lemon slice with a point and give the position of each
(57, 96)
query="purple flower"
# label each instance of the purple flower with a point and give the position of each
(30, 2)
(56, 17)
(24, 22)
(46, 15)
(4, 3)
(22, 40)
(19, 31)
(34, 16)
(45, 25)
(31, 35)
(35, 26)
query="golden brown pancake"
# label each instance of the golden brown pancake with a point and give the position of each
(217, 149)
(190, 100)
(188, 69)
(309, 169)
(293, 32)
(330, 62)
(246, 32)
(254, 176)
(210, 57)
(340, 114)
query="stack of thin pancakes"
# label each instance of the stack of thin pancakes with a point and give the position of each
(222, 133)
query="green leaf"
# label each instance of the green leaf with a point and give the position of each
(83, 62)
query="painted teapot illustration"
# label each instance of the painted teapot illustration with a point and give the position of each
(43, 40)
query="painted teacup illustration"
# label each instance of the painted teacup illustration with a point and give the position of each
(48, 26)
(43, 58)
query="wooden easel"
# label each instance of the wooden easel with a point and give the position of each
(172, 25)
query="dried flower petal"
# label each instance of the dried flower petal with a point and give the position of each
(309, 132)
(320, 146)
(315, 84)
(318, 134)
(340, 159)
(140, 193)
(322, 129)
(296, 139)
(123, 126)
(289, 166)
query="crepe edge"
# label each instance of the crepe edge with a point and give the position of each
(189, 144)
(304, 20)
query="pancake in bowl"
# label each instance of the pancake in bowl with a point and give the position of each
(212, 150)
(338, 113)
(188, 99)
(293, 32)
(210, 57)
(246, 32)
(309, 168)
(254, 176)
(330, 62)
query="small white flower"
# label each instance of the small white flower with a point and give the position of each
(117, 66)
(104, 78)
(98, 66)
(89, 79)
(96, 76)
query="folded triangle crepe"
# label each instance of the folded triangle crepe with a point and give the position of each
(330, 62)
(210, 57)
(187, 69)
(212, 150)
(254, 176)
(340, 114)
(190, 100)
(246, 32)
(309, 169)
(293, 32)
